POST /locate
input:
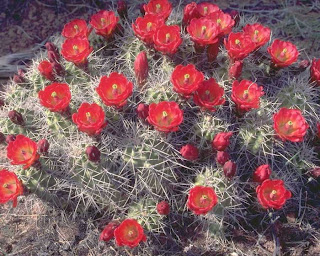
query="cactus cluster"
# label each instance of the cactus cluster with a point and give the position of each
(127, 169)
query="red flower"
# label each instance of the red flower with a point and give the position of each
(145, 27)
(186, 79)
(262, 173)
(222, 157)
(76, 28)
(167, 39)
(163, 208)
(259, 34)
(189, 152)
(223, 20)
(283, 53)
(141, 68)
(90, 118)
(142, 111)
(108, 232)
(229, 169)
(56, 97)
(205, 8)
(209, 95)
(272, 194)
(221, 141)
(114, 90)
(76, 50)
(129, 233)
(201, 199)
(235, 69)
(22, 151)
(315, 71)
(190, 12)
(161, 8)
(104, 23)
(203, 31)
(239, 45)
(46, 69)
(10, 187)
(246, 95)
(166, 116)
(289, 124)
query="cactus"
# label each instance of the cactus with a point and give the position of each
(138, 165)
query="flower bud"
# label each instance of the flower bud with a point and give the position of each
(163, 208)
(143, 12)
(10, 138)
(108, 232)
(189, 152)
(229, 169)
(143, 111)
(235, 69)
(141, 68)
(2, 138)
(43, 146)
(16, 117)
(122, 9)
(315, 172)
(58, 68)
(304, 64)
(1, 103)
(53, 57)
(51, 47)
(221, 141)
(93, 153)
(262, 173)
(19, 78)
(222, 157)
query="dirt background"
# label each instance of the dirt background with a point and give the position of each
(36, 228)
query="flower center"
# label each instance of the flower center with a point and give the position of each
(205, 10)
(203, 199)
(237, 41)
(203, 30)
(164, 114)
(130, 233)
(76, 27)
(114, 86)
(75, 48)
(158, 6)
(218, 21)
(167, 37)
(88, 115)
(149, 25)
(103, 21)
(5, 185)
(273, 193)
(53, 94)
(245, 94)
(256, 32)
(290, 123)
(186, 78)
(284, 50)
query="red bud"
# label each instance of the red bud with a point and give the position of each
(43, 146)
(222, 157)
(10, 138)
(163, 208)
(93, 153)
(235, 69)
(229, 169)
(142, 111)
(141, 68)
(16, 117)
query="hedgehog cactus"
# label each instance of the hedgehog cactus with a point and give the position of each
(114, 160)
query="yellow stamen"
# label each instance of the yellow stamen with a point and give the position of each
(256, 32)
(205, 10)
(164, 114)
(114, 86)
(284, 50)
(149, 25)
(203, 29)
(167, 37)
(290, 123)
(130, 233)
(186, 76)
(207, 92)
(103, 20)
(76, 27)
(218, 21)
(158, 6)
(5, 185)
(54, 94)
(75, 47)
(88, 114)
(237, 41)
